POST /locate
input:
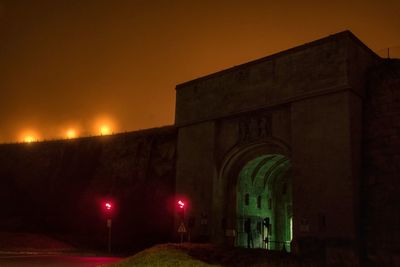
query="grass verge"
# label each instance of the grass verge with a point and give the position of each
(162, 255)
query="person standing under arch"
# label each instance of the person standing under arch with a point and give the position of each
(247, 229)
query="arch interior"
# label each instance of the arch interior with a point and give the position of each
(264, 203)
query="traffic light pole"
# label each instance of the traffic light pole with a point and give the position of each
(181, 214)
(109, 225)
(183, 222)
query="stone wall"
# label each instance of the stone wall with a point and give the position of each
(381, 185)
(58, 187)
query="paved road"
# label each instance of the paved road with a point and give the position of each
(54, 261)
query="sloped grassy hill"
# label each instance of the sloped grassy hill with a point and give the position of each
(205, 255)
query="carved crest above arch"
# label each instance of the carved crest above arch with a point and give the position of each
(253, 127)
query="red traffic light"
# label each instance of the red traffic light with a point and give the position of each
(108, 206)
(181, 204)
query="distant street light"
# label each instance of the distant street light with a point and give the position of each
(71, 133)
(105, 130)
(29, 139)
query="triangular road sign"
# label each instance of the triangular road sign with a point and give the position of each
(182, 228)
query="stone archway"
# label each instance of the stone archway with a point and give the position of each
(259, 174)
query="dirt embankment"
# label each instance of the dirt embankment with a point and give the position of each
(28, 242)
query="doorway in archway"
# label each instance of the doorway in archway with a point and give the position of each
(264, 203)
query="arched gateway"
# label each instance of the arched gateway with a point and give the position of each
(259, 211)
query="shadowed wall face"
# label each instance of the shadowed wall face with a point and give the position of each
(59, 188)
(381, 184)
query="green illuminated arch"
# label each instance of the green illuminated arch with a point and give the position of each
(264, 190)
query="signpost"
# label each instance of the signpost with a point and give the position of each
(109, 224)
(182, 230)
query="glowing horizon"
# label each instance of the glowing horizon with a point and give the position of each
(102, 125)
(29, 139)
(28, 136)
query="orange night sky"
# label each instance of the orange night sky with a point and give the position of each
(77, 67)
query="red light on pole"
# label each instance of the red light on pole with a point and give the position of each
(108, 208)
(181, 210)
(181, 216)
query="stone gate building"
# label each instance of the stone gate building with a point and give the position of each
(282, 138)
